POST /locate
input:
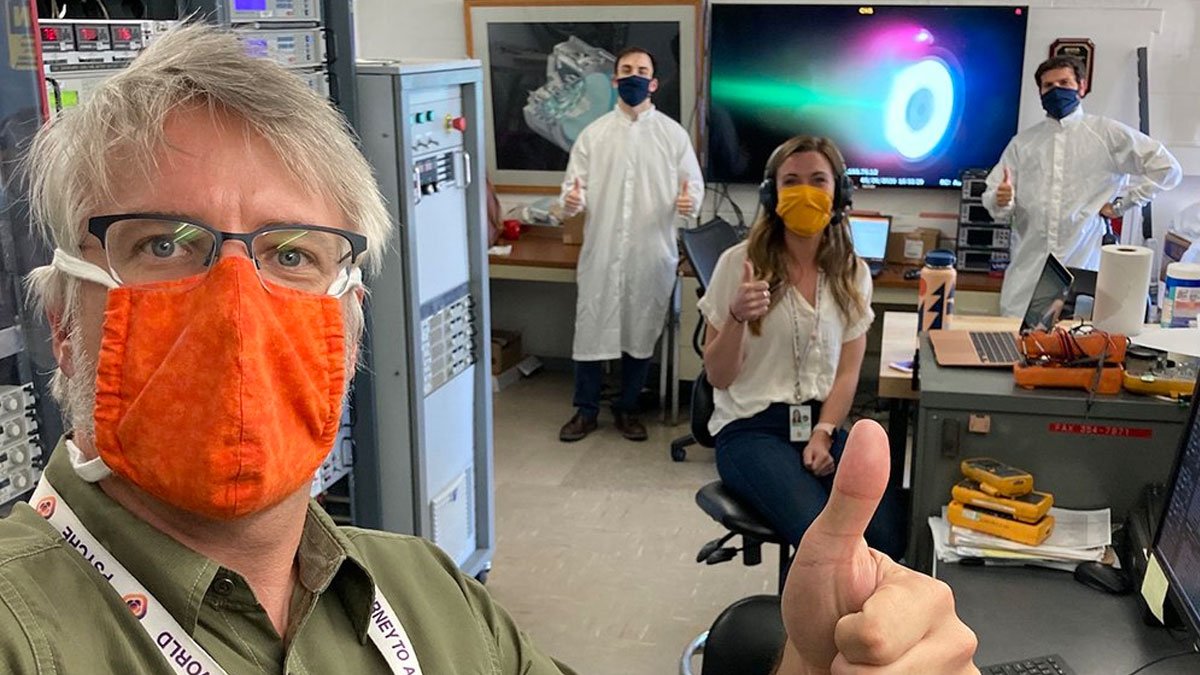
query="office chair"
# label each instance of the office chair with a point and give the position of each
(749, 616)
(703, 246)
(745, 639)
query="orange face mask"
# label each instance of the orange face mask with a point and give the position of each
(223, 398)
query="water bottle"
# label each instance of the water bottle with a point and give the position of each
(936, 295)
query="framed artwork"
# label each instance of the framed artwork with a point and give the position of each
(1082, 49)
(548, 68)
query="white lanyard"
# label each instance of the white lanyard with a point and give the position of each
(798, 353)
(182, 653)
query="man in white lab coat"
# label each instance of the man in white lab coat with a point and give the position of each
(635, 173)
(1062, 177)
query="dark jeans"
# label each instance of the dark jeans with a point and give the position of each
(589, 377)
(762, 467)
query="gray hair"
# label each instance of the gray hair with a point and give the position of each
(75, 160)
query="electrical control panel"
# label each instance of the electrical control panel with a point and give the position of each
(447, 337)
(249, 11)
(20, 453)
(289, 48)
(983, 242)
(971, 236)
(78, 55)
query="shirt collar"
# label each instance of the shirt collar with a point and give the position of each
(1072, 119)
(180, 577)
(644, 115)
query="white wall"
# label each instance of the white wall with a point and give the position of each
(1170, 28)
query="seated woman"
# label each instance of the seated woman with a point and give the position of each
(787, 315)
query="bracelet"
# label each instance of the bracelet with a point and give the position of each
(827, 427)
(735, 317)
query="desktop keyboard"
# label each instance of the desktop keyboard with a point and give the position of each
(1042, 665)
(995, 347)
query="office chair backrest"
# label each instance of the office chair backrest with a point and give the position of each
(702, 410)
(746, 638)
(704, 245)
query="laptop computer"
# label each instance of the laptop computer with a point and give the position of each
(870, 237)
(999, 348)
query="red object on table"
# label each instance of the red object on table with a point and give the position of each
(512, 229)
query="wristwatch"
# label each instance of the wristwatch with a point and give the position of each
(826, 427)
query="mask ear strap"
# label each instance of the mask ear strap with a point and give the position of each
(352, 280)
(82, 269)
(90, 470)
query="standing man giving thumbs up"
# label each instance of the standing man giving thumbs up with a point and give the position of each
(634, 173)
(1059, 179)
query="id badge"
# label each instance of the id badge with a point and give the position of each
(801, 423)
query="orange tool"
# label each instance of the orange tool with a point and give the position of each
(1066, 377)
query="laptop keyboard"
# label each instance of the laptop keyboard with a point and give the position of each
(995, 347)
(1042, 665)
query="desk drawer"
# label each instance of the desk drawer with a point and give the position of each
(1085, 462)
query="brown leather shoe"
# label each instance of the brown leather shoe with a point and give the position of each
(630, 426)
(578, 428)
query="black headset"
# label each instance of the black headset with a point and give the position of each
(768, 194)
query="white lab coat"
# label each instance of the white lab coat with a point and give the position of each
(1063, 172)
(630, 172)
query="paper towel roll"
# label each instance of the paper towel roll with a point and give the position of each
(1121, 288)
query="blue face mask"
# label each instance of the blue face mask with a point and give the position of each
(633, 89)
(1060, 102)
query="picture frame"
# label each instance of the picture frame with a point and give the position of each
(1081, 48)
(547, 73)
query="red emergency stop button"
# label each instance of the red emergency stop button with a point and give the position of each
(459, 123)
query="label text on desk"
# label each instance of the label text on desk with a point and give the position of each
(1099, 430)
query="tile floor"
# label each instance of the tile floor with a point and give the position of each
(596, 540)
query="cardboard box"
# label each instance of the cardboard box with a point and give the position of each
(506, 350)
(573, 229)
(909, 248)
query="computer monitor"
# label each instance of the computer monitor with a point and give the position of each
(1177, 546)
(1049, 296)
(870, 236)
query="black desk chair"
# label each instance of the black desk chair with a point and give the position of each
(747, 636)
(703, 246)
(746, 639)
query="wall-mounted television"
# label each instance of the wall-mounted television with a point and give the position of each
(912, 95)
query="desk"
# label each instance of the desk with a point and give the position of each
(974, 292)
(1023, 612)
(896, 387)
(541, 256)
(1088, 456)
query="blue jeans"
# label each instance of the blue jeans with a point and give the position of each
(762, 467)
(589, 378)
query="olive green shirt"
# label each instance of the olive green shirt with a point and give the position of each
(58, 615)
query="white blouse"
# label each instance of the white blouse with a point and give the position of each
(769, 373)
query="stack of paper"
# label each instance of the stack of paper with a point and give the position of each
(1078, 536)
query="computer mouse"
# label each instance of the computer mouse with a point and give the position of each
(1103, 578)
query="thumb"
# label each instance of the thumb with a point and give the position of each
(1007, 176)
(860, 483)
(683, 188)
(577, 186)
(747, 271)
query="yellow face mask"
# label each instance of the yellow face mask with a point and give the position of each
(805, 210)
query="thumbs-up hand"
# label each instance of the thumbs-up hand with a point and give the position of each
(753, 297)
(1004, 191)
(684, 204)
(848, 605)
(574, 199)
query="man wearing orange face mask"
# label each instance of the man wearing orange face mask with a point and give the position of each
(210, 217)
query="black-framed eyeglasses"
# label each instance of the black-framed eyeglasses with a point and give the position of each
(144, 248)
